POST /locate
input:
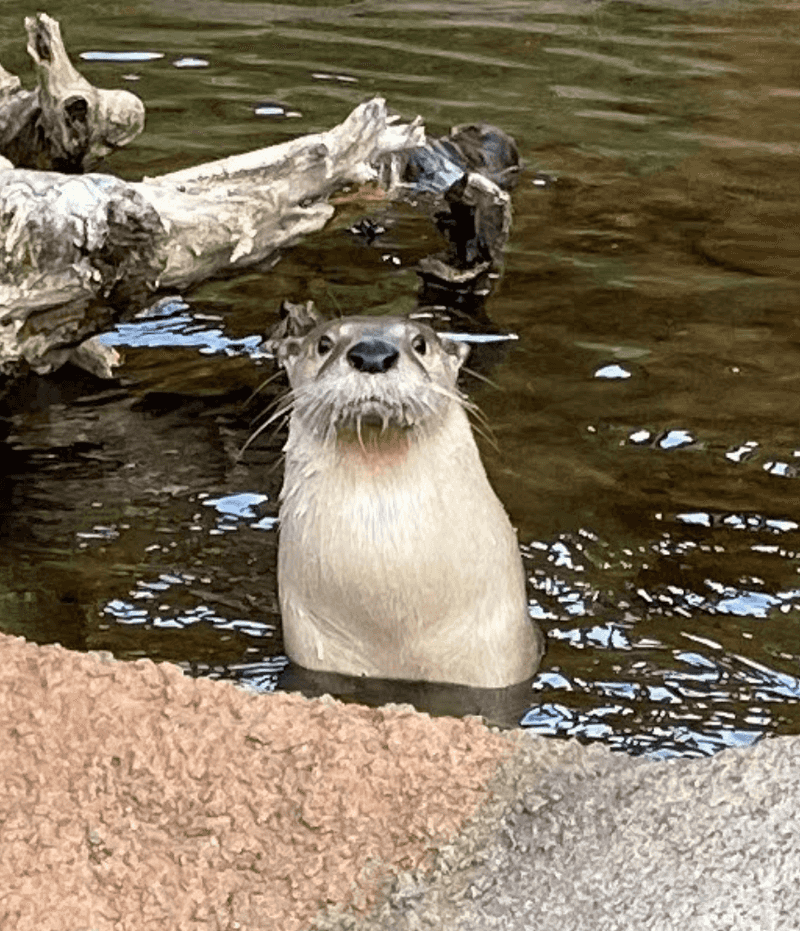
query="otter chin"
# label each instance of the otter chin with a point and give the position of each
(396, 559)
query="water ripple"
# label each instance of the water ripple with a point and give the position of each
(432, 52)
(717, 696)
(170, 323)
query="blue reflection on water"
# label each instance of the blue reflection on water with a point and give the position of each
(770, 682)
(612, 372)
(696, 659)
(239, 510)
(668, 700)
(750, 604)
(608, 636)
(699, 518)
(620, 689)
(260, 676)
(685, 741)
(658, 693)
(128, 612)
(674, 439)
(170, 323)
(781, 469)
(121, 56)
(554, 680)
(189, 61)
(553, 719)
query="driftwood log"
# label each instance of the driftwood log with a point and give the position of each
(77, 249)
(65, 124)
(69, 242)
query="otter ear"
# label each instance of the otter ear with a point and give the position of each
(458, 350)
(285, 350)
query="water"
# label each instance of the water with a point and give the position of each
(646, 414)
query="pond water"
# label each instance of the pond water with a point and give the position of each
(647, 412)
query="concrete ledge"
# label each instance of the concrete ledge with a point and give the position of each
(135, 798)
(581, 839)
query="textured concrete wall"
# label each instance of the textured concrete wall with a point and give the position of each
(132, 797)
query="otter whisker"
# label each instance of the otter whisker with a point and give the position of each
(284, 404)
(281, 414)
(420, 409)
(263, 385)
(460, 398)
(270, 408)
(360, 438)
(477, 414)
(256, 433)
(450, 394)
(480, 421)
(316, 414)
(337, 305)
(480, 377)
(480, 424)
(487, 436)
(278, 461)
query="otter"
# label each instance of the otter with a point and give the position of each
(396, 559)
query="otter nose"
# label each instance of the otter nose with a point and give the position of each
(372, 355)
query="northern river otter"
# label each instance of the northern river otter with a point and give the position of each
(396, 559)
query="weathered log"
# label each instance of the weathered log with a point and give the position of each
(472, 169)
(66, 124)
(74, 251)
(68, 244)
(17, 109)
(237, 211)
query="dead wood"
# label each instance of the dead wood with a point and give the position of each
(77, 249)
(237, 211)
(73, 247)
(66, 124)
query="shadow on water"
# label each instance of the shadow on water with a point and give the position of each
(647, 412)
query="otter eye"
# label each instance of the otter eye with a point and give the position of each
(419, 345)
(324, 345)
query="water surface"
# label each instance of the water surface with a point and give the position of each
(646, 413)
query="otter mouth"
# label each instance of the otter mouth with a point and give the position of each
(349, 415)
(374, 443)
(371, 431)
(373, 421)
(373, 415)
(374, 425)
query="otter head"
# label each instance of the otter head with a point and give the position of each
(373, 379)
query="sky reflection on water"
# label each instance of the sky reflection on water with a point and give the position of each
(646, 406)
(715, 698)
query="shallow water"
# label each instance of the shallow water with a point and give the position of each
(646, 414)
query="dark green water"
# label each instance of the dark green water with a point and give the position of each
(647, 416)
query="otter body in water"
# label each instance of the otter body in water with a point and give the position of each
(396, 558)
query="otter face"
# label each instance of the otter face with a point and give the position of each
(371, 376)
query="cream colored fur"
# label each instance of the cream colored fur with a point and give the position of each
(396, 558)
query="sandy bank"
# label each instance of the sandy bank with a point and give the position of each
(135, 798)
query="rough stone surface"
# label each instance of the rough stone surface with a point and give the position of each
(135, 798)
(581, 839)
